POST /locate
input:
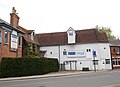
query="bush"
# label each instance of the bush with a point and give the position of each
(11, 67)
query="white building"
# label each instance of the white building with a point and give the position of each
(74, 49)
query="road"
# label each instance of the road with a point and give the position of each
(95, 79)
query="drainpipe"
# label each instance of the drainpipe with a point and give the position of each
(17, 53)
(1, 44)
(111, 57)
(17, 48)
(1, 52)
(59, 54)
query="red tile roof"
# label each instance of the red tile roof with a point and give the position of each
(29, 31)
(26, 35)
(25, 30)
(115, 43)
(82, 37)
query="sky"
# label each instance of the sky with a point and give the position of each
(45, 16)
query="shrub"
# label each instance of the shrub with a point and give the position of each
(11, 67)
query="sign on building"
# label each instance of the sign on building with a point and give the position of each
(76, 54)
(94, 54)
(14, 41)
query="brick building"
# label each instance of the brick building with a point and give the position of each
(115, 53)
(16, 41)
(10, 37)
(30, 46)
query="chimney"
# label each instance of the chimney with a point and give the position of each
(14, 19)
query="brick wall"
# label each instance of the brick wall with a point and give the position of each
(5, 48)
(113, 52)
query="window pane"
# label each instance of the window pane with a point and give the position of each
(117, 50)
(113, 62)
(95, 62)
(70, 33)
(119, 62)
(19, 41)
(107, 61)
(6, 37)
(64, 53)
(116, 62)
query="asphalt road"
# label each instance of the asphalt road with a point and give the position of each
(96, 79)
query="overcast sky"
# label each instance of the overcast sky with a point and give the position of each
(58, 15)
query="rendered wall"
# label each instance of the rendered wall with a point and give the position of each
(102, 51)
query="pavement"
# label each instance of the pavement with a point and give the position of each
(115, 85)
(54, 74)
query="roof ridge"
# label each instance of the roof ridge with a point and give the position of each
(63, 32)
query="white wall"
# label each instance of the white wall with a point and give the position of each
(49, 49)
(102, 51)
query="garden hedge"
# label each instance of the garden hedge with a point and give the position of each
(12, 67)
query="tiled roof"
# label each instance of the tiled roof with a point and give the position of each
(26, 35)
(6, 24)
(2, 21)
(27, 39)
(22, 29)
(25, 30)
(82, 37)
(29, 31)
(115, 43)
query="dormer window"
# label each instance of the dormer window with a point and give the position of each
(71, 35)
(31, 35)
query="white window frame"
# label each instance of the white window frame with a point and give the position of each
(5, 37)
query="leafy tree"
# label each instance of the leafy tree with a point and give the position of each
(108, 32)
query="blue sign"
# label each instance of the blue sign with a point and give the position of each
(78, 53)
(94, 54)
(71, 53)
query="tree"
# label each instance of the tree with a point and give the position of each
(108, 32)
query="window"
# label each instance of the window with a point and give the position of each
(117, 50)
(70, 33)
(50, 52)
(6, 37)
(30, 36)
(88, 50)
(107, 61)
(0, 37)
(64, 52)
(65, 63)
(95, 62)
(20, 41)
(116, 61)
(33, 33)
(113, 62)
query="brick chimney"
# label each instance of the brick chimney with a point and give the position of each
(14, 19)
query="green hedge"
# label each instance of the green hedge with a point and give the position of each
(12, 67)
